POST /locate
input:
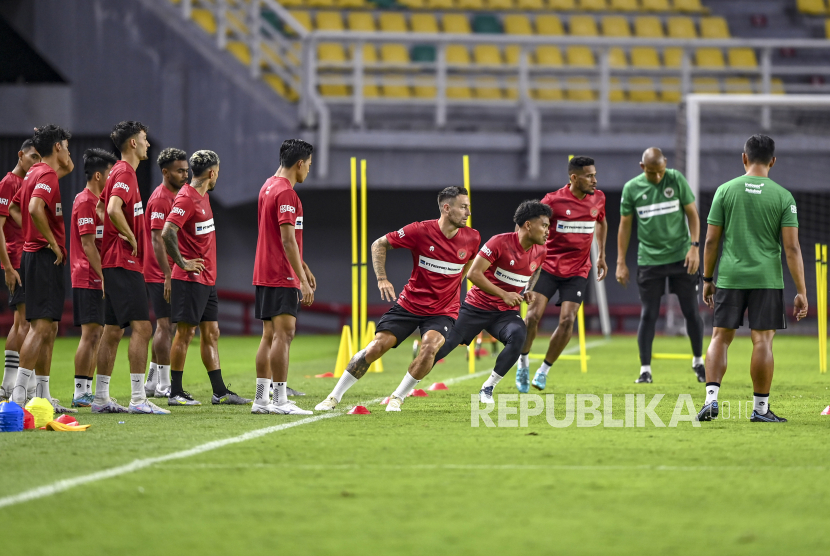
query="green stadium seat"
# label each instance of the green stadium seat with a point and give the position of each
(714, 28)
(582, 26)
(615, 26)
(486, 23)
(682, 28)
(549, 25)
(648, 27)
(422, 53)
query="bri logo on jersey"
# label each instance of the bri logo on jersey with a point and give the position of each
(121, 185)
(85, 222)
(178, 210)
(287, 208)
(44, 186)
(4, 201)
(156, 216)
(138, 209)
(486, 250)
(205, 227)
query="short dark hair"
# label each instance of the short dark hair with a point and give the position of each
(759, 149)
(529, 210)
(123, 131)
(578, 163)
(27, 144)
(170, 155)
(200, 161)
(97, 160)
(450, 193)
(293, 151)
(46, 136)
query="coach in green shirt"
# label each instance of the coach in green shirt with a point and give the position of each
(750, 212)
(662, 202)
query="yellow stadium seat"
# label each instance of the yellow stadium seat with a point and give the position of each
(670, 89)
(562, 5)
(204, 19)
(690, 6)
(395, 86)
(593, 5)
(511, 88)
(649, 27)
(498, 5)
(487, 54)
(392, 22)
(320, 3)
(487, 88)
(413, 4)
(709, 58)
(458, 88)
(548, 55)
(579, 89)
(530, 5)
(615, 26)
(370, 54)
(777, 86)
(512, 52)
(288, 4)
(458, 55)
(581, 56)
(424, 23)
(737, 86)
(616, 58)
(644, 57)
(547, 88)
(348, 4)
(549, 25)
(331, 52)
(582, 26)
(811, 7)
(656, 6)
(279, 86)
(517, 24)
(334, 90)
(682, 28)
(641, 89)
(424, 88)
(370, 88)
(673, 57)
(470, 4)
(714, 28)
(240, 51)
(329, 21)
(303, 18)
(361, 21)
(456, 23)
(394, 54)
(616, 93)
(827, 28)
(625, 6)
(742, 58)
(706, 85)
(439, 4)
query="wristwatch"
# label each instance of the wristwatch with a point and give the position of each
(705, 279)
(695, 244)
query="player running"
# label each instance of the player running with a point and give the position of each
(578, 216)
(38, 205)
(190, 240)
(506, 267)
(750, 212)
(122, 260)
(442, 252)
(11, 246)
(158, 268)
(282, 278)
(662, 201)
(86, 234)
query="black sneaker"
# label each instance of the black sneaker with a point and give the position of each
(700, 371)
(768, 417)
(709, 412)
(644, 378)
(182, 398)
(229, 398)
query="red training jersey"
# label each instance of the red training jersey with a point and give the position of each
(9, 187)
(572, 231)
(117, 252)
(158, 207)
(197, 234)
(84, 222)
(41, 181)
(278, 204)
(510, 269)
(438, 265)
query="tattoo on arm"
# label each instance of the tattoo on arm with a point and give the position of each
(358, 366)
(171, 243)
(533, 279)
(379, 249)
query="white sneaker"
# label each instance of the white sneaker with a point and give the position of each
(263, 409)
(149, 389)
(160, 392)
(394, 403)
(146, 407)
(486, 395)
(290, 408)
(327, 405)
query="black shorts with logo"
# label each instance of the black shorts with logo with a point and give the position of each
(192, 302)
(272, 302)
(651, 280)
(19, 295)
(44, 285)
(87, 306)
(472, 320)
(401, 323)
(766, 309)
(125, 298)
(155, 291)
(570, 289)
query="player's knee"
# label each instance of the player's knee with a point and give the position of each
(515, 334)
(431, 344)
(566, 320)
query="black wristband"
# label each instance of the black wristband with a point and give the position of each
(705, 279)
(695, 244)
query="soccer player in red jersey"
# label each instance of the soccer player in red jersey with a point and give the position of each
(190, 240)
(38, 205)
(283, 280)
(122, 260)
(578, 216)
(86, 233)
(11, 246)
(442, 252)
(158, 268)
(505, 270)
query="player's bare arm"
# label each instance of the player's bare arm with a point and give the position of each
(601, 235)
(312, 281)
(529, 294)
(12, 277)
(170, 235)
(379, 249)
(476, 276)
(116, 214)
(37, 210)
(161, 259)
(692, 262)
(792, 250)
(623, 239)
(17, 216)
(292, 253)
(710, 259)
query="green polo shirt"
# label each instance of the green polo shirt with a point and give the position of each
(661, 220)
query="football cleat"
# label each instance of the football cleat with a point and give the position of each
(523, 379)
(4, 396)
(710, 412)
(229, 398)
(768, 417)
(83, 401)
(60, 409)
(290, 408)
(110, 406)
(539, 380)
(146, 407)
(291, 392)
(700, 372)
(485, 395)
(394, 403)
(263, 409)
(644, 378)
(182, 398)
(160, 392)
(327, 405)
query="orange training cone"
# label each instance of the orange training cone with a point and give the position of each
(826, 410)
(325, 375)
(418, 393)
(359, 410)
(438, 386)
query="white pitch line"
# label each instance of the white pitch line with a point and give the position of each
(495, 467)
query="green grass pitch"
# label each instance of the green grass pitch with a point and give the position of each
(424, 481)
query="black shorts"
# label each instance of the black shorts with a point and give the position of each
(766, 309)
(472, 320)
(19, 295)
(651, 280)
(192, 302)
(401, 323)
(125, 298)
(155, 291)
(272, 302)
(87, 306)
(44, 284)
(570, 289)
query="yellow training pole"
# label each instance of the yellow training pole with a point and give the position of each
(583, 354)
(364, 273)
(471, 357)
(355, 292)
(466, 164)
(824, 308)
(818, 308)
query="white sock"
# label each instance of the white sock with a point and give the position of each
(89, 385)
(697, 361)
(80, 387)
(493, 380)
(137, 388)
(406, 386)
(280, 396)
(10, 371)
(262, 385)
(21, 385)
(42, 388)
(524, 361)
(102, 389)
(31, 388)
(346, 381)
(645, 369)
(543, 370)
(163, 377)
(152, 376)
(761, 404)
(711, 393)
